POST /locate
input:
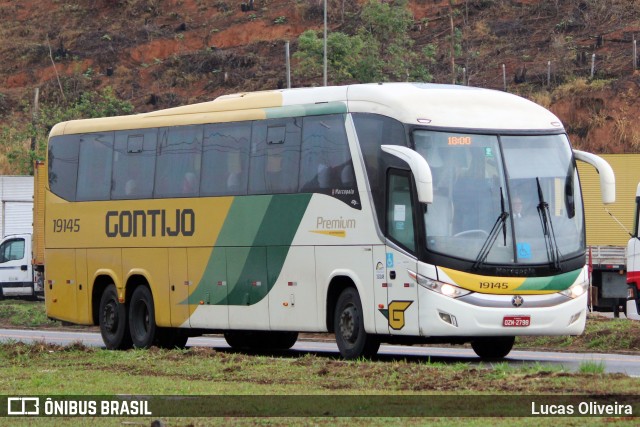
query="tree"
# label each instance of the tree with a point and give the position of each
(16, 155)
(380, 50)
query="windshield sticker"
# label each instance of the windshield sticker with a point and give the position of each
(524, 250)
(488, 152)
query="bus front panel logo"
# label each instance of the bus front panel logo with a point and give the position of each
(395, 313)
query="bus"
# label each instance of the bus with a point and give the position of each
(382, 213)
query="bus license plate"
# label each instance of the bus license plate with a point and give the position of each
(516, 321)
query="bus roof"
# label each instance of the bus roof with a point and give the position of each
(435, 105)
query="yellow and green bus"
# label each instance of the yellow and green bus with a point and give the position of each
(378, 212)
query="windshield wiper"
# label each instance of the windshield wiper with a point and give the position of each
(493, 235)
(553, 253)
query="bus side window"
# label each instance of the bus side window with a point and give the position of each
(325, 159)
(275, 156)
(400, 210)
(225, 159)
(63, 165)
(94, 170)
(178, 161)
(134, 163)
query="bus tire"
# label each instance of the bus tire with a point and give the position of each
(142, 320)
(493, 348)
(113, 320)
(171, 338)
(352, 340)
(261, 340)
(237, 339)
(281, 340)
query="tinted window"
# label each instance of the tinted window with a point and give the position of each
(63, 165)
(400, 211)
(134, 161)
(373, 131)
(94, 170)
(12, 250)
(225, 159)
(325, 163)
(178, 162)
(275, 156)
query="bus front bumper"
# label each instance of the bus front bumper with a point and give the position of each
(501, 315)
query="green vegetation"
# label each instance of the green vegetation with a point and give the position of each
(592, 367)
(22, 143)
(20, 314)
(380, 50)
(34, 369)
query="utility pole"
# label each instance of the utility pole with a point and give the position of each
(34, 118)
(286, 53)
(325, 43)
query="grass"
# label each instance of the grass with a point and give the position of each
(592, 367)
(46, 369)
(19, 313)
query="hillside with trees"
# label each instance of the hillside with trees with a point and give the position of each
(79, 59)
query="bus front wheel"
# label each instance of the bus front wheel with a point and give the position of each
(492, 348)
(113, 321)
(142, 320)
(353, 341)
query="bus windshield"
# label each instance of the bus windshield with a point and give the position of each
(502, 199)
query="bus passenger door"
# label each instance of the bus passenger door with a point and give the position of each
(402, 292)
(178, 286)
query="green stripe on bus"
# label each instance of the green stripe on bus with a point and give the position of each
(306, 110)
(554, 283)
(263, 228)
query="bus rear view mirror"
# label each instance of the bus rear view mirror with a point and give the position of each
(607, 177)
(419, 168)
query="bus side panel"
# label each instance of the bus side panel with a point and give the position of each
(82, 297)
(208, 301)
(178, 287)
(248, 288)
(60, 287)
(354, 262)
(153, 265)
(293, 298)
(105, 262)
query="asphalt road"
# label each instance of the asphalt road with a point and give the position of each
(613, 363)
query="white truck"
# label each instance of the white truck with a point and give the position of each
(19, 276)
(608, 265)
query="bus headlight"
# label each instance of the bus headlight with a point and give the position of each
(575, 290)
(446, 289)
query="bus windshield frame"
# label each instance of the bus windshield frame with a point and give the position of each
(502, 200)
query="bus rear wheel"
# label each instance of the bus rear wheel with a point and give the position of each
(493, 348)
(142, 320)
(114, 325)
(352, 340)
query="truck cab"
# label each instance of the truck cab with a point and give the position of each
(17, 276)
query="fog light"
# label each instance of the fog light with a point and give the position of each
(448, 318)
(575, 317)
